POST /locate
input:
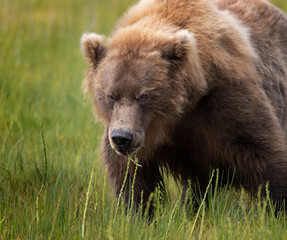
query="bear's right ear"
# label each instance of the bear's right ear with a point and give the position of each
(92, 48)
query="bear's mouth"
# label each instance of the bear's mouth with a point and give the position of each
(125, 152)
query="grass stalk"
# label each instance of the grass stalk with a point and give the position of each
(55, 218)
(133, 186)
(122, 189)
(216, 184)
(202, 202)
(171, 218)
(86, 204)
(202, 222)
(45, 154)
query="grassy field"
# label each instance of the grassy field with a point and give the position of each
(52, 182)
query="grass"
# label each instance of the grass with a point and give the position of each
(52, 182)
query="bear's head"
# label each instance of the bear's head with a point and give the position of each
(141, 83)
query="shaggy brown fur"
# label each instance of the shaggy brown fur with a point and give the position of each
(191, 85)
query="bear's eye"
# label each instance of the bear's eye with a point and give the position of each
(111, 99)
(143, 98)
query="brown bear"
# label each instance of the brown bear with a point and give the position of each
(190, 85)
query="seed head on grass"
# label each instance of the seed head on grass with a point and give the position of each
(122, 189)
(86, 204)
(202, 202)
(45, 154)
(171, 218)
(135, 161)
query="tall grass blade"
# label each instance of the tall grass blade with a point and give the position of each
(203, 201)
(122, 189)
(86, 204)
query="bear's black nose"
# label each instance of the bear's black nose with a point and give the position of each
(122, 139)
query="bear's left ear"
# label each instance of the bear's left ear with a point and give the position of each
(182, 54)
(92, 48)
(180, 47)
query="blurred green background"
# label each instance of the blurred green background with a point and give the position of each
(44, 174)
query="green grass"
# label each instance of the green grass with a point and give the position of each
(52, 182)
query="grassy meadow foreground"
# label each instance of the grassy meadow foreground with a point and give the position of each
(53, 184)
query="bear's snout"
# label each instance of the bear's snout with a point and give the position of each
(122, 139)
